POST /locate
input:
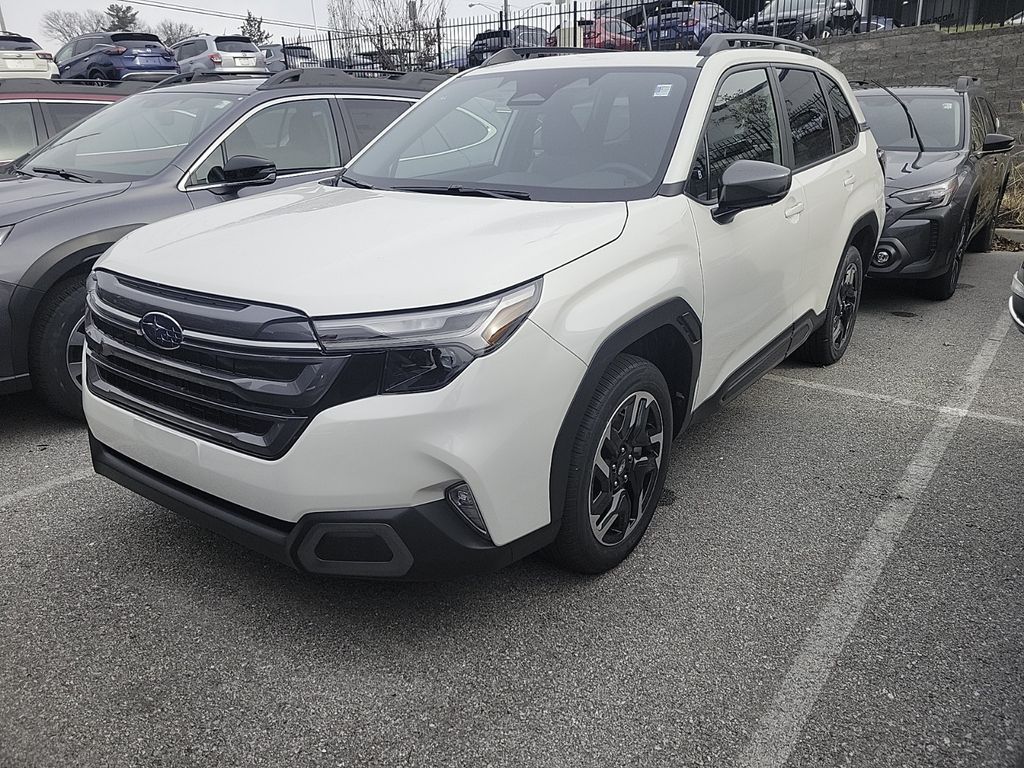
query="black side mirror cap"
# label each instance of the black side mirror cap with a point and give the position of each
(244, 171)
(750, 184)
(997, 142)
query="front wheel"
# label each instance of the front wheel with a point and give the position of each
(617, 468)
(829, 342)
(57, 346)
(944, 286)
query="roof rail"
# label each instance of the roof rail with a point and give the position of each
(38, 84)
(965, 82)
(723, 41)
(191, 77)
(320, 77)
(506, 55)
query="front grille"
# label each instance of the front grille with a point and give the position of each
(252, 388)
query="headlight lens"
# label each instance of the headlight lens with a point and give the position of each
(427, 349)
(933, 196)
(4, 232)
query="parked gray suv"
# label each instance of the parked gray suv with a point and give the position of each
(219, 53)
(166, 151)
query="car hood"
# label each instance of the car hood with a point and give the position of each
(905, 170)
(339, 250)
(22, 197)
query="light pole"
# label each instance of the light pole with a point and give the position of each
(3, 27)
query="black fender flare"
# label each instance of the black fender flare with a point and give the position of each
(675, 314)
(47, 271)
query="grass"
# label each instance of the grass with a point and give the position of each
(1011, 214)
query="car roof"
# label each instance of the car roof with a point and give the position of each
(911, 90)
(36, 87)
(315, 80)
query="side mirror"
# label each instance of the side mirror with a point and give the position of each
(997, 143)
(244, 171)
(750, 184)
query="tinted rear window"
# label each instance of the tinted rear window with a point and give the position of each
(12, 43)
(135, 38)
(235, 45)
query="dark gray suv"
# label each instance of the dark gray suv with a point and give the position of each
(167, 151)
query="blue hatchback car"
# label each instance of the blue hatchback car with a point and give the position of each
(115, 56)
(684, 27)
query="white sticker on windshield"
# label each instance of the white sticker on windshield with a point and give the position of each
(947, 105)
(662, 90)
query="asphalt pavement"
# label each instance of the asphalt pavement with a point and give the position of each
(835, 577)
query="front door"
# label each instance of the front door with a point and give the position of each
(752, 265)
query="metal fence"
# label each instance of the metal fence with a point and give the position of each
(656, 25)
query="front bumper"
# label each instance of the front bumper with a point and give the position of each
(11, 379)
(1017, 300)
(494, 428)
(423, 542)
(919, 243)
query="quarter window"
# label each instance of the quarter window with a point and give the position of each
(811, 132)
(296, 136)
(846, 122)
(743, 126)
(67, 113)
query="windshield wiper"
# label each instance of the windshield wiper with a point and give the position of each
(910, 120)
(458, 189)
(351, 182)
(64, 174)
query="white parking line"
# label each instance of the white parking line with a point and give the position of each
(780, 727)
(49, 485)
(861, 395)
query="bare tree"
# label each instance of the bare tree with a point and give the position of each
(398, 33)
(64, 25)
(170, 31)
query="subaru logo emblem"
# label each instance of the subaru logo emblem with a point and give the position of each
(160, 330)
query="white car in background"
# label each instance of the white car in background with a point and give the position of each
(23, 57)
(225, 54)
(549, 268)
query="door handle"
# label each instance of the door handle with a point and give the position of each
(849, 181)
(794, 210)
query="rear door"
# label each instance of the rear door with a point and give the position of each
(828, 176)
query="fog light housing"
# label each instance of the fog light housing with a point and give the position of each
(464, 502)
(883, 256)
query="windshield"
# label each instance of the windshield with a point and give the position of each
(939, 118)
(582, 135)
(133, 139)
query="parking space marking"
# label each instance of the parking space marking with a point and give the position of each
(41, 488)
(780, 727)
(861, 395)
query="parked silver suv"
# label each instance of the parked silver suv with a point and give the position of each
(223, 53)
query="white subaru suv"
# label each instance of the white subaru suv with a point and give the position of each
(481, 338)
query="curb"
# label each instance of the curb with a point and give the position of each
(1017, 235)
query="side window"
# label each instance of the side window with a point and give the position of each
(849, 130)
(809, 126)
(986, 115)
(743, 126)
(368, 117)
(296, 136)
(85, 44)
(64, 53)
(66, 113)
(993, 117)
(17, 130)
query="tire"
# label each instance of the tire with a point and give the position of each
(580, 546)
(96, 76)
(827, 344)
(56, 335)
(943, 287)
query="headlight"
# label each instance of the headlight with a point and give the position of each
(934, 196)
(4, 232)
(427, 349)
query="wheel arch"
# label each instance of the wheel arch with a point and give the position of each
(669, 336)
(864, 236)
(72, 257)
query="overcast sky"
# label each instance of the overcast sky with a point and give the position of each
(22, 16)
